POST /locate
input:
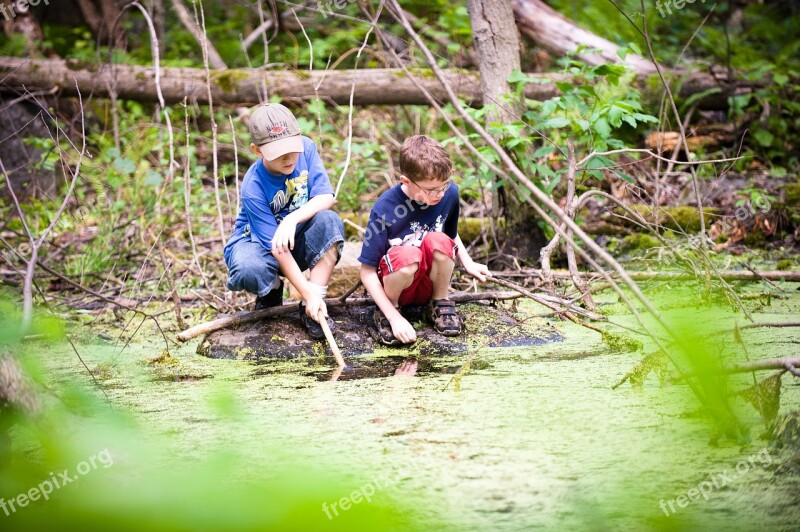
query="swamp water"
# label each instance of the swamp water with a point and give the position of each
(533, 437)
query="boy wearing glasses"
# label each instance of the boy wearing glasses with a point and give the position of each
(411, 244)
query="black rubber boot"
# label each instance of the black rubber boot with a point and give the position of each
(274, 298)
(314, 329)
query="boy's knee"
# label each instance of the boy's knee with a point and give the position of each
(407, 271)
(253, 270)
(329, 218)
(436, 240)
(441, 257)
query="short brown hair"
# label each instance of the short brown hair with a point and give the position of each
(423, 158)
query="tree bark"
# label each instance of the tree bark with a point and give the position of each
(556, 33)
(496, 42)
(25, 24)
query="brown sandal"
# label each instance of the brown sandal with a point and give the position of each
(444, 317)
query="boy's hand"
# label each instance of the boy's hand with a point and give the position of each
(314, 304)
(477, 270)
(402, 330)
(283, 240)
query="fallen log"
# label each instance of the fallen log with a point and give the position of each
(241, 318)
(379, 86)
(556, 33)
(559, 35)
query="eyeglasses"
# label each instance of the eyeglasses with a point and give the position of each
(435, 191)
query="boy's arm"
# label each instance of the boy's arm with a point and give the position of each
(283, 241)
(401, 329)
(475, 269)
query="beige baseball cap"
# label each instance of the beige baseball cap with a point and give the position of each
(274, 129)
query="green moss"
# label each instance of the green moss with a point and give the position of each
(228, 80)
(793, 195)
(681, 218)
(244, 352)
(78, 64)
(621, 343)
(638, 241)
(785, 264)
(164, 359)
(755, 238)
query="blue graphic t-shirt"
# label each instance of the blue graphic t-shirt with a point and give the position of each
(397, 220)
(268, 198)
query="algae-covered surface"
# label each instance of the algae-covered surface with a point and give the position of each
(530, 436)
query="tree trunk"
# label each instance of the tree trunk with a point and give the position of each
(25, 24)
(20, 120)
(383, 86)
(556, 33)
(497, 46)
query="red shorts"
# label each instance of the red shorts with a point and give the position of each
(421, 289)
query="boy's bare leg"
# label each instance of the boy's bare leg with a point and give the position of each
(397, 281)
(321, 273)
(441, 272)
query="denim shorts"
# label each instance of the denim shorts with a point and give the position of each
(252, 267)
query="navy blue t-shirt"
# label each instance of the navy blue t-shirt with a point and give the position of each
(268, 198)
(397, 220)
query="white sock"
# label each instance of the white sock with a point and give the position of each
(319, 289)
(276, 283)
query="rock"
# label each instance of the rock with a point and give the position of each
(285, 337)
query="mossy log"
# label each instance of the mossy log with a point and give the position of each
(245, 86)
(678, 218)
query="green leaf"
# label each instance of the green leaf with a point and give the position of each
(563, 86)
(615, 115)
(555, 123)
(602, 128)
(624, 176)
(764, 137)
(553, 184)
(780, 79)
(153, 178)
(516, 76)
(124, 165)
(778, 171)
(645, 118)
(544, 150)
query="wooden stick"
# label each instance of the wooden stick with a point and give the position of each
(242, 318)
(323, 321)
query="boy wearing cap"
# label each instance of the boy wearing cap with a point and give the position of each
(411, 243)
(285, 224)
